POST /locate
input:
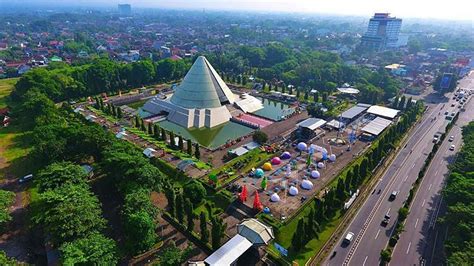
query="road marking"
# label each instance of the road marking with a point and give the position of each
(423, 203)
(429, 188)
(408, 249)
(413, 165)
(405, 179)
(389, 210)
(377, 234)
(389, 185)
(416, 223)
(436, 172)
(363, 264)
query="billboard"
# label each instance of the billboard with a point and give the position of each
(446, 81)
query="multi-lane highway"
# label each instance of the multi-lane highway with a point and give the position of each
(370, 236)
(415, 244)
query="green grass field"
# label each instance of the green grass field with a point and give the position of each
(14, 142)
(6, 86)
(137, 104)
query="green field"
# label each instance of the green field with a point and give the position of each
(14, 142)
(6, 86)
(137, 104)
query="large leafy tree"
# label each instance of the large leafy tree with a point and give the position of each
(69, 212)
(59, 174)
(139, 199)
(139, 228)
(92, 249)
(195, 191)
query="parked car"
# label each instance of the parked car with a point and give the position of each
(25, 179)
(452, 147)
(451, 138)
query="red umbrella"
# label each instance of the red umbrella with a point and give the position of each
(256, 202)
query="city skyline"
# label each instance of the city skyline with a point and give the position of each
(402, 8)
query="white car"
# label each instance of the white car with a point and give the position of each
(26, 178)
(348, 238)
(451, 139)
(452, 147)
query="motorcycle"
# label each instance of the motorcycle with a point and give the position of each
(379, 191)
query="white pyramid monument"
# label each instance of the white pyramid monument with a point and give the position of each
(199, 101)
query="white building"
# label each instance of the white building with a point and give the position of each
(199, 101)
(382, 32)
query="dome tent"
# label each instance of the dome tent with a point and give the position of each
(259, 173)
(302, 146)
(293, 191)
(306, 184)
(267, 166)
(320, 165)
(332, 157)
(285, 156)
(274, 197)
(276, 161)
(315, 174)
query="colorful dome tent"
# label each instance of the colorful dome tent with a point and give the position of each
(274, 197)
(267, 166)
(276, 161)
(285, 156)
(332, 157)
(315, 174)
(293, 191)
(259, 173)
(302, 146)
(306, 184)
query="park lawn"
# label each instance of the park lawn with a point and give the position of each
(6, 86)
(14, 147)
(137, 104)
(313, 246)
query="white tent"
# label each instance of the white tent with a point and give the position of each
(320, 165)
(306, 184)
(121, 135)
(149, 152)
(315, 174)
(332, 157)
(293, 191)
(274, 197)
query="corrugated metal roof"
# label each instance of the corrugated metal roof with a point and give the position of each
(229, 252)
(353, 112)
(376, 126)
(312, 123)
(383, 111)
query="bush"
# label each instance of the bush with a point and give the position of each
(385, 256)
(402, 213)
(393, 241)
(260, 137)
(195, 191)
